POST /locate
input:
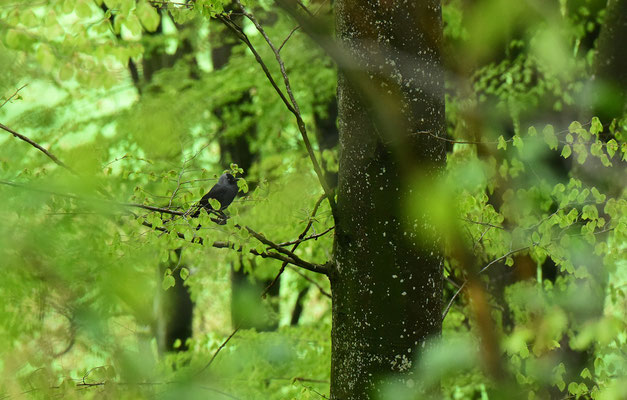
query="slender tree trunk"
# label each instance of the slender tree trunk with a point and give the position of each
(387, 284)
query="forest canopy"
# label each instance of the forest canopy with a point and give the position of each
(431, 199)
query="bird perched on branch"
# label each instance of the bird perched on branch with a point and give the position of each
(224, 192)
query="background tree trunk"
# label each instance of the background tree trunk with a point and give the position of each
(387, 286)
(610, 69)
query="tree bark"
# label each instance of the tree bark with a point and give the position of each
(610, 69)
(387, 284)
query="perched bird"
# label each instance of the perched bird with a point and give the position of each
(224, 191)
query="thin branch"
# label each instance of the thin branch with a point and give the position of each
(316, 284)
(91, 200)
(462, 141)
(15, 94)
(215, 354)
(482, 223)
(152, 208)
(297, 27)
(292, 105)
(37, 146)
(284, 255)
(300, 3)
(293, 258)
(296, 244)
(450, 303)
(503, 257)
(244, 38)
(310, 237)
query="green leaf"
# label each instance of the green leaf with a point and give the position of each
(566, 151)
(132, 24)
(535, 237)
(502, 143)
(574, 126)
(595, 126)
(45, 57)
(518, 142)
(589, 211)
(215, 204)
(596, 149)
(148, 16)
(16, 40)
(532, 131)
(560, 384)
(66, 72)
(168, 282)
(83, 10)
(184, 273)
(583, 195)
(242, 185)
(549, 136)
(569, 138)
(612, 146)
(605, 160)
(582, 152)
(586, 373)
(598, 197)
(559, 188)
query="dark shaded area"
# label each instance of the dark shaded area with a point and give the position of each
(297, 311)
(175, 310)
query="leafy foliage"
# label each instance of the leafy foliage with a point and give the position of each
(533, 189)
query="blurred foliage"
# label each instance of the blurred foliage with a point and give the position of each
(534, 193)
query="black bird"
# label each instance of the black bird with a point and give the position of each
(224, 191)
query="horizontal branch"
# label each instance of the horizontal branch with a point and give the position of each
(315, 236)
(151, 208)
(321, 269)
(285, 256)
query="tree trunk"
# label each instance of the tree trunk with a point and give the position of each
(610, 69)
(387, 284)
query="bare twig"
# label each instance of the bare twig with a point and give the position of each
(293, 258)
(300, 3)
(503, 257)
(152, 208)
(316, 284)
(215, 354)
(296, 244)
(37, 146)
(297, 27)
(482, 223)
(450, 303)
(292, 104)
(310, 237)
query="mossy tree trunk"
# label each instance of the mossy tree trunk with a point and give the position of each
(387, 283)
